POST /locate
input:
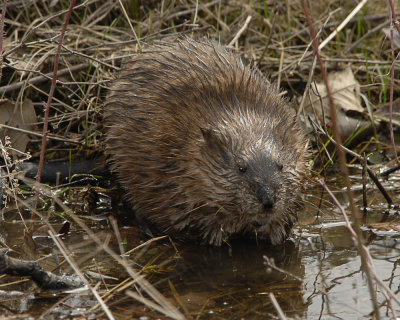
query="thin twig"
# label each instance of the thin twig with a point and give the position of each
(343, 24)
(50, 98)
(371, 174)
(342, 159)
(49, 136)
(27, 36)
(307, 90)
(2, 18)
(43, 78)
(13, 189)
(130, 25)
(90, 58)
(391, 88)
(364, 184)
(196, 12)
(346, 218)
(278, 81)
(369, 264)
(239, 33)
(388, 171)
(168, 308)
(277, 307)
(394, 18)
(68, 257)
(271, 32)
(270, 263)
(365, 36)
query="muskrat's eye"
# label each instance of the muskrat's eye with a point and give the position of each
(279, 166)
(242, 169)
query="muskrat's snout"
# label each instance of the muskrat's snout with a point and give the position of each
(266, 189)
(267, 198)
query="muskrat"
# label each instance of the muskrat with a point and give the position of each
(204, 145)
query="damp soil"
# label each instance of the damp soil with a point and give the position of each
(316, 274)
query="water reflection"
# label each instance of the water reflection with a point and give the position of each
(234, 282)
(317, 275)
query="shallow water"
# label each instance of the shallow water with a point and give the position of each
(316, 274)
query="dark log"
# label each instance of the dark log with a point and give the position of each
(32, 269)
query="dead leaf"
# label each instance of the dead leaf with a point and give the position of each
(18, 116)
(383, 112)
(396, 36)
(29, 245)
(346, 97)
(65, 228)
(386, 226)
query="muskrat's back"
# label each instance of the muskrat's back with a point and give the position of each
(204, 146)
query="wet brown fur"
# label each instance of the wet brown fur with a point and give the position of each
(204, 146)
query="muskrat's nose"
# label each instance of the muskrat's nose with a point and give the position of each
(267, 198)
(268, 204)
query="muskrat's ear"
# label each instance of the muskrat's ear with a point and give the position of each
(215, 143)
(211, 137)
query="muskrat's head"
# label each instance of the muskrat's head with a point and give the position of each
(253, 173)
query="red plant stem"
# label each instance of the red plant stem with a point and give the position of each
(50, 98)
(386, 291)
(346, 218)
(394, 18)
(396, 23)
(357, 218)
(391, 97)
(2, 18)
(338, 139)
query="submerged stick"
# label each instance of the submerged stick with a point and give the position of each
(32, 269)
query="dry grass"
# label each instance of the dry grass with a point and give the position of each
(100, 40)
